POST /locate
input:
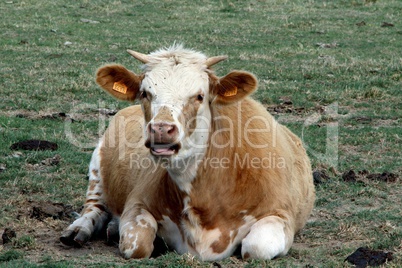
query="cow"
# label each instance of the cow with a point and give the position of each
(198, 163)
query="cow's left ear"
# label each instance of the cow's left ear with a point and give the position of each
(119, 82)
(233, 87)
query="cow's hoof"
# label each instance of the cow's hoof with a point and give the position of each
(112, 233)
(74, 238)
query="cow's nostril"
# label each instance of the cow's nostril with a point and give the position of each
(172, 130)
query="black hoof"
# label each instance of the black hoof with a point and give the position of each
(74, 238)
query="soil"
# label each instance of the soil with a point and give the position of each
(352, 176)
(43, 210)
(45, 221)
(320, 176)
(34, 145)
(8, 235)
(364, 257)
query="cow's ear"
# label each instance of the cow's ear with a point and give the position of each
(119, 82)
(233, 87)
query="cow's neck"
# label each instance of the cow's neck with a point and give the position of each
(224, 128)
(184, 170)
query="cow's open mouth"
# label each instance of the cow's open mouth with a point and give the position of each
(164, 149)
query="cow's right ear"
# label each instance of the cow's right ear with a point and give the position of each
(119, 82)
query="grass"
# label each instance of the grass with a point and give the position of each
(318, 54)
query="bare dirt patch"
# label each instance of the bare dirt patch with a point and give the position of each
(364, 257)
(85, 114)
(44, 221)
(34, 145)
(352, 176)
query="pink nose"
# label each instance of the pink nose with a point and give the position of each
(163, 132)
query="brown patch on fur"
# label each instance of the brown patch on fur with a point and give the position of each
(189, 115)
(92, 201)
(95, 172)
(100, 207)
(92, 185)
(235, 232)
(87, 210)
(147, 110)
(142, 252)
(222, 244)
(164, 115)
(166, 200)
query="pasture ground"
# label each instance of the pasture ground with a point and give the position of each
(329, 70)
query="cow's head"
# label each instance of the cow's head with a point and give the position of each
(177, 91)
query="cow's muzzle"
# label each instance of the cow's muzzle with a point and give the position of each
(162, 139)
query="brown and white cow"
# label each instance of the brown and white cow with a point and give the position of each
(199, 163)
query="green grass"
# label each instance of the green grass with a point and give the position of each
(359, 75)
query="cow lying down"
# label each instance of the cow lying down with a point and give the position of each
(199, 163)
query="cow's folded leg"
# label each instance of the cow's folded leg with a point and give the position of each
(94, 216)
(268, 238)
(137, 233)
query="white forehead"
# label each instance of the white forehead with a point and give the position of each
(176, 72)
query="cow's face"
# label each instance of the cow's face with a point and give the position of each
(176, 90)
(174, 98)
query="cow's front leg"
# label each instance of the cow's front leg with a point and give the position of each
(269, 237)
(94, 216)
(137, 233)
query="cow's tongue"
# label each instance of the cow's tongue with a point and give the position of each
(162, 151)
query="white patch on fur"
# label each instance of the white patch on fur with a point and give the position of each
(172, 77)
(184, 170)
(266, 239)
(128, 252)
(84, 224)
(202, 239)
(148, 218)
(94, 165)
(204, 250)
(243, 230)
(170, 233)
(187, 210)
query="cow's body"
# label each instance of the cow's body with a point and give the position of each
(249, 183)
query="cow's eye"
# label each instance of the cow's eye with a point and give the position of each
(200, 97)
